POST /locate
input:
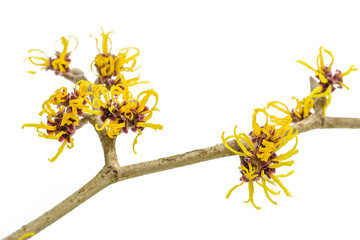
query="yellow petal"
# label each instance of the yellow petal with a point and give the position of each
(61, 149)
(232, 189)
(26, 235)
(135, 140)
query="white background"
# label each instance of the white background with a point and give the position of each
(212, 63)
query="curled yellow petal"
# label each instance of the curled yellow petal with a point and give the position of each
(135, 140)
(71, 143)
(307, 65)
(285, 175)
(105, 42)
(308, 103)
(232, 189)
(246, 138)
(241, 145)
(26, 235)
(103, 126)
(147, 94)
(321, 58)
(77, 42)
(327, 102)
(150, 125)
(267, 190)
(44, 61)
(282, 108)
(82, 87)
(342, 84)
(322, 78)
(281, 164)
(316, 90)
(256, 128)
(135, 81)
(91, 67)
(352, 68)
(96, 112)
(280, 184)
(331, 55)
(114, 129)
(61, 149)
(230, 148)
(289, 154)
(251, 194)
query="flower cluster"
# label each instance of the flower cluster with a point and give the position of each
(64, 111)
(119, 111)
(300, 112)
(110, 99)
(328, 81)
(110, 67)
(60, 64)
(259, 157)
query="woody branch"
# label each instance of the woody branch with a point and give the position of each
(112, 172)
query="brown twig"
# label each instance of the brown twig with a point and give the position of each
(82, 122)
(74, 75)
(107, 175)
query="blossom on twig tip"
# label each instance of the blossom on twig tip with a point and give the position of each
(109, 67)
(328, 81)
(60, 64)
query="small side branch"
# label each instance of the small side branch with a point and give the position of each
(82, 122)
(74, 75)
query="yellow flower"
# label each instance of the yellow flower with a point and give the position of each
(109, 67)
(328, 81)
(259, 159)
(60, 64)
(119, 111)
(104, 61)
(78, 99)
(75, 102)
(124, 58)
(58, 98)
(63, 111)
(56, 131)
(300, 112)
